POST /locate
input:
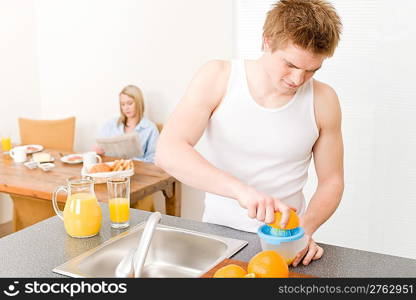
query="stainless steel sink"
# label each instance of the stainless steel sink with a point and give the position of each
(174, 252)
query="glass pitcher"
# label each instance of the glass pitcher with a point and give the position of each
(82, 214)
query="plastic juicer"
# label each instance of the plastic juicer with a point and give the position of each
(287, 242)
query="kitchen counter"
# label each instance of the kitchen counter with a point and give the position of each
(36, 250)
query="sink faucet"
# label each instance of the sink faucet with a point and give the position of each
(132, 264)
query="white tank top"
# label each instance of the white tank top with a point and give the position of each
(268, 149)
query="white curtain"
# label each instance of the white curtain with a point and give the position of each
(372, 72)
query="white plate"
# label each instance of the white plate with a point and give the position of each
(33, 148)
(69, 159)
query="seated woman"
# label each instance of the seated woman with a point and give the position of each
(132, 119)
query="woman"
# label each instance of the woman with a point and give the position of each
(132, 119)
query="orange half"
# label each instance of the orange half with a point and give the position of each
(291, 224)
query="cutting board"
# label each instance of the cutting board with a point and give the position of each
(244, 264)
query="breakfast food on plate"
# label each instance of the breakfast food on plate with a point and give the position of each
(98, 168)
(31, 149)
(122, 165)
(118, 165)
(41, 157)
(75, 158)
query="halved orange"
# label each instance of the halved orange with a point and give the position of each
(230, 271)
(291, 224)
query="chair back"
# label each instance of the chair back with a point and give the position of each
(159, 127)
(53, 134)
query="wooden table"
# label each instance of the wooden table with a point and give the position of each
(31, 190)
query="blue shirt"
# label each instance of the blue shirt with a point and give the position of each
(146, 130)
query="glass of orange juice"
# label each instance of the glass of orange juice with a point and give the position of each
(6, 143)
(119, 201)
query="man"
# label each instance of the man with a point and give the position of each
(264, 119)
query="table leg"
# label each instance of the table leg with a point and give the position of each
(28, 211)
(145, 203)
(173, 199)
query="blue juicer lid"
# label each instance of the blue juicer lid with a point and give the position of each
(264, 233)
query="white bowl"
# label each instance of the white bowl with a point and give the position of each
(46, 166)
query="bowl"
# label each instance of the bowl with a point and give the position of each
(288, 246)
(47, 166)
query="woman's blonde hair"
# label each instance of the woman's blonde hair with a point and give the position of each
(313, 25)
(136, 94)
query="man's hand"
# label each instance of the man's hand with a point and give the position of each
(311, 252)
(261, 206)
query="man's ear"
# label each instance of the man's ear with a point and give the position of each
(266, 44)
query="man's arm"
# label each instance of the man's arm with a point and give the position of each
(175, 151)
(328, 158)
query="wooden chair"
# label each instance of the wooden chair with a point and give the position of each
(159, 127)
(53, 134)
(147, 203)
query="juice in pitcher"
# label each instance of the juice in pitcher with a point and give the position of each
(82, 215)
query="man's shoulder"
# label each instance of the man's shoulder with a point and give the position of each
(215, 69)
(217, 65)
(210, 82)
(323, 91)
(327, 106)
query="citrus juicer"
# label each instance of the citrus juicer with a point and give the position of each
(288, 241)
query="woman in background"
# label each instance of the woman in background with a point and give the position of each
(132, 119)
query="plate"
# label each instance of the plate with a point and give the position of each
(33, 148)
(72, 158)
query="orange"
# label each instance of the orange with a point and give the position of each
(250, 275)
(291, 224)
(230, 271)
(268, 263)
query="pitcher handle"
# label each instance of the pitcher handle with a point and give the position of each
(99, 158)
(55, 200)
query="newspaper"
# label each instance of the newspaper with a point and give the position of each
(125, 146)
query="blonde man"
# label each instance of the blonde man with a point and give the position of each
(264, 120)
(132, 120)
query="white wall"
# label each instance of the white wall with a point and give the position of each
(89, 50)
(19, 81)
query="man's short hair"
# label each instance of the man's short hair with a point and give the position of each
(313, 25)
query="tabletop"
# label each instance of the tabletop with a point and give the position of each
(17, 179)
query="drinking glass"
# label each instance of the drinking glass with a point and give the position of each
(118, 189)
(6, 143)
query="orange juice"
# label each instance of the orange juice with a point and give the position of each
(119, 210)
(82, 215)
(6, 144)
